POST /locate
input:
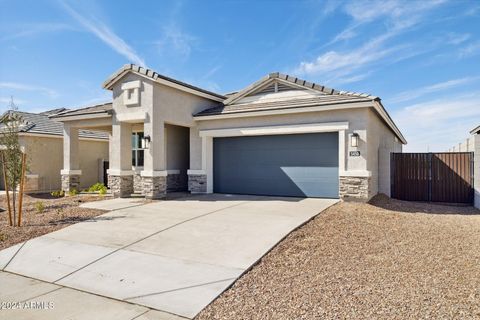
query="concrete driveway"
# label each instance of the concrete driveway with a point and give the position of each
(174, 256)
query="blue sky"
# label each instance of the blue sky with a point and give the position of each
(422, 58)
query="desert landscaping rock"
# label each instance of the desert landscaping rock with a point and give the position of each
(385, 260)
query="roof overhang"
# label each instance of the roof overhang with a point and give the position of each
(388, 120)
(152, 75)
(475, 130)
(83, 116)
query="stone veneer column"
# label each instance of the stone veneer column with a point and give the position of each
(70, 173)
(70, 180)
(355, 188)
(121, 185)
(197, 183)
(155, 187)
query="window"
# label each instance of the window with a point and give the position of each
(137, 151)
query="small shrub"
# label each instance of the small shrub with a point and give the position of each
(39, 206)
(3, 237)
(58, 194)
(73, 192)
(98, 187)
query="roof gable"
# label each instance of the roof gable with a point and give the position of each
(277, 82)
(152, 75)
(286, 83)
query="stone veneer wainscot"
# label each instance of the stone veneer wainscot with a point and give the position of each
(355, 188)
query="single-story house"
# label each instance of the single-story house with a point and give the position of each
(280, 136)
(42, 139)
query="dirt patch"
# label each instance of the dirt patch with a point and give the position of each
(57, 213)
(385, 260)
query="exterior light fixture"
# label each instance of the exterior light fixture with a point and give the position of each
(354, 139)
(146, 142)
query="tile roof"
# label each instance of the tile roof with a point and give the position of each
(328, 96)
(40, 123)
(282, 104)
(96, 109)
(285, 78)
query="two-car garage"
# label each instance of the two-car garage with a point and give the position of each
(296, 165)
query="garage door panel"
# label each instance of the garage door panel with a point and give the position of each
(303, 165)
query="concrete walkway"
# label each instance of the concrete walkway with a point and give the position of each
(173, 256)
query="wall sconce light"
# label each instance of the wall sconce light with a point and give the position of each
(146, 142)
(354, 139)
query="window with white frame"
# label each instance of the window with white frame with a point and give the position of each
(137, 151)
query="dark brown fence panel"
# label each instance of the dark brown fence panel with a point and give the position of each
(452, 177)
(410, 175)
(438, 177)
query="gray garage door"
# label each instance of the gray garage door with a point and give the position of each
(298, 165)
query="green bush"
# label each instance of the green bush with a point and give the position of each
(3, 237)
(58, 194)
(39, 206)
(73, 192)
(98, 187)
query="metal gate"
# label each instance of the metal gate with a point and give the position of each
(436, 177)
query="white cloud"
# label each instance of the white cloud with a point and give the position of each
(34, 29)
(211, 72)
(398, 15)
(336, 64)
(27, 87)
(417, 93)
(175, 39)
(103, 32)
(456, 38)
(399, 18)
(438, 124)
(469, 50)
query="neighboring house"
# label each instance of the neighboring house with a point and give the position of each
(42, 139)
(472, 144)
(280, 136)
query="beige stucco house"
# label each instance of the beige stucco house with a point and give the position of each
(42, 139)
(280, 136)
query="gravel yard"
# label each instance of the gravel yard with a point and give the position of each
(57, 213)
(385, 260)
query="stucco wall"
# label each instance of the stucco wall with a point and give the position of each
(381, 142)
(45, 158)
(162, 105)
(177, 107)
(358, 120)
(90, 153)
(476, 169)
(472, 144)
